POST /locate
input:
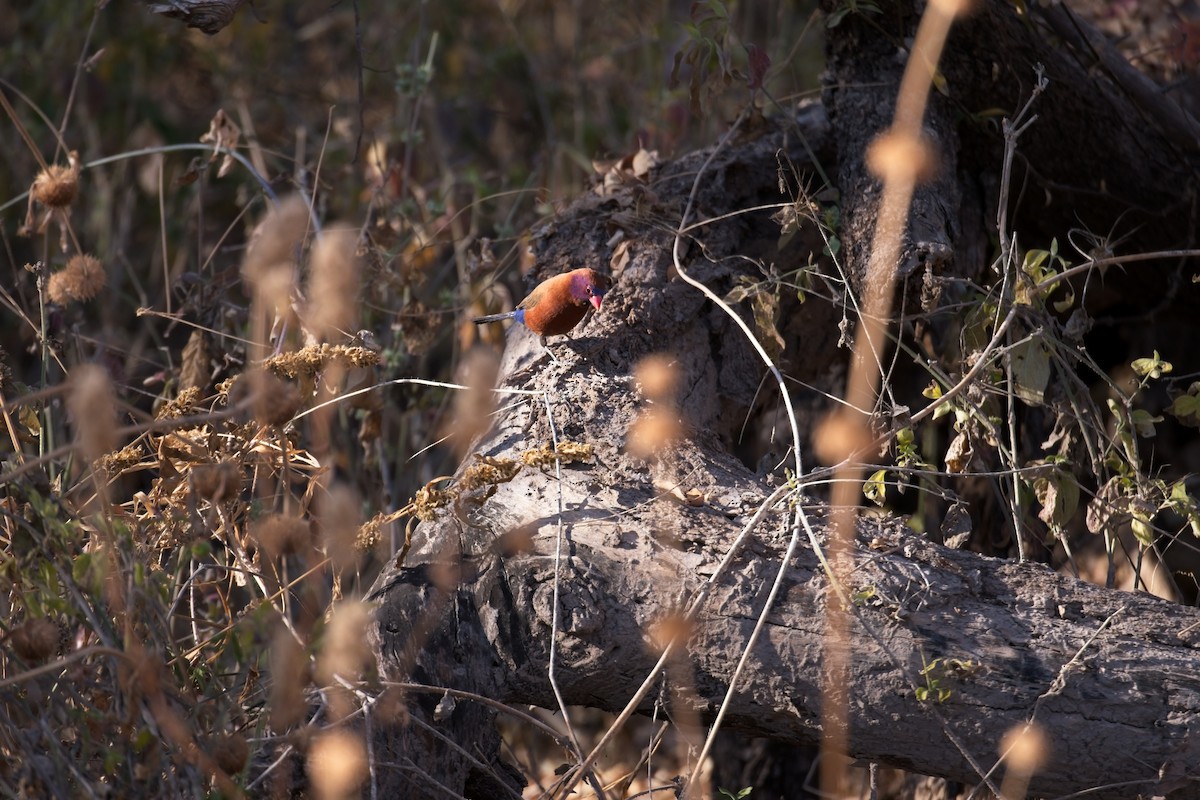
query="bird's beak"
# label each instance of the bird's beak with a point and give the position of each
(595, 301)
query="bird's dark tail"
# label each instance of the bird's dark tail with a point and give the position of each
(518, 315)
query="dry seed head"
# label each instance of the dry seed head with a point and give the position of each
(567, 453)
(344, 649)
(230, 751)
(333, 284)
(340, 516)
(112, 464)
(276, 240)
(275, 401)
(93, 409)
(280, 535)
(57, 186)
(839, 436)
(1026, 747)
(337, 763)
(428, 500)
(473, 408)
(488, 471)
(35, 639)
(899, 157)
(657, 376)
(80, 280)
(370, 535)
(217, 482)
(289, 676)
(954, 8)
(653, 430)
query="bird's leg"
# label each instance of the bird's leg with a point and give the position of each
(549, 352)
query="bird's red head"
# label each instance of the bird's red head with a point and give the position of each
(589, 286)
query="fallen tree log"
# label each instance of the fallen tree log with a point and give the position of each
(950, 650)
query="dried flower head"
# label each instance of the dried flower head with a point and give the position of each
(333, 284)
(897, 157)
(657, 376)
(567, 453)
(290, 676)
(339, 516)
(281, 535)
(80, 280)
(337, 763)
(370, 535)
(35, 639)
(653, 430)
(93, 408)
(473, 408)
(344, 653)
(217, 482)
(274, 401)
(276, 241)
(428, 500)
(230, 751)
(57, 186)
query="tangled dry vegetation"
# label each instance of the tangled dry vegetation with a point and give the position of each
(208, 455)
(187, 521)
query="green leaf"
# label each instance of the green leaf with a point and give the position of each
(863, 595)
(1142, 530)
(1153, 367)
(832, 247)
(1143, 422)
(1186, 407)
(81, 567)
(875, 487)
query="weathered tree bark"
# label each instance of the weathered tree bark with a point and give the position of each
(1110, 677)
(1111, 152)
(210, 16)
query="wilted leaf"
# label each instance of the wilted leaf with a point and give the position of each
(1058, 494)
(1108, 503)
(223, 133)
(766, 319)
(29, 420)
(760, 62)
(958, 454)
(956, 526)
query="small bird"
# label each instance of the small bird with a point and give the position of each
(558, 304)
